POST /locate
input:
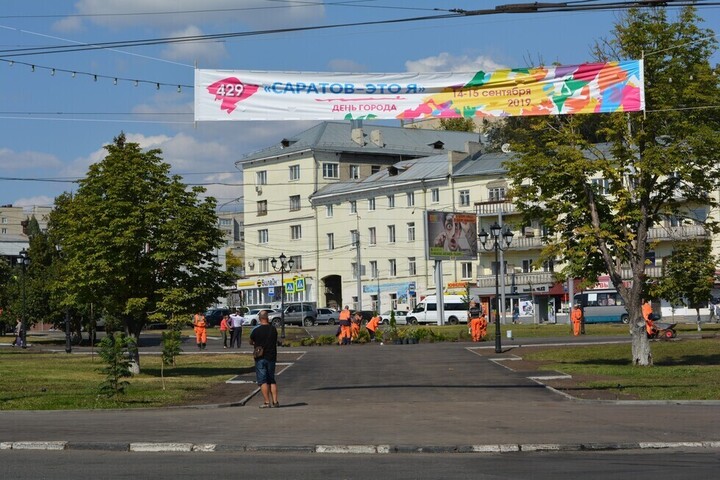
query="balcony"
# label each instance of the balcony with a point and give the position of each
(491, 208)
(683, 232)
(524, 278)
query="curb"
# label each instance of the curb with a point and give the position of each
(186, 447)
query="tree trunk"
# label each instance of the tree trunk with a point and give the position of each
(642, 356)
(697, 310)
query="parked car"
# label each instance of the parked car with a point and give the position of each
(251, 318)
(400, 317)
(296, 314)
(214, 315)
(327, 316)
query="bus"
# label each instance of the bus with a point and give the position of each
(602, 306)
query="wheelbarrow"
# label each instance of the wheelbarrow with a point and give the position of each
(663, 330)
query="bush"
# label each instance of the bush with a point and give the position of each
(171, 342)
(115, 351)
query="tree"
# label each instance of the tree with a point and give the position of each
(458, 124)
(654, 164)
(136, 242)
(689, 276)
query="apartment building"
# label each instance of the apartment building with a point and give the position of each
(279, 180)
(13, 225)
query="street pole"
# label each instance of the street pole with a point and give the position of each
(68, 341)
(25, 259)
(285, 267)
(498, 236)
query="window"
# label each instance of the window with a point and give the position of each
(263, 236)
(466, 269)
(494, 267)
(353, 206)
(294, 203)
(410, 199)
(527, 266)
(393, 301)
(4, 220)
(331, 241)
(374, 169)
(373, 236)
(261, 208)
(371, 204)
(391, 201)
(602, 184)
(354, 237)
(435, 195)
(295, 232)
(392, 267)
(263, 265)
(331, 170)
(3, 231)
(225, 222)
(328, 211)
(412, 266)
(374, 269)
(294, 172)
(354, 269)
(549, 266)
(391, 233)
(297, 262)
(496, 194)
(261, 178)
(464, 198)
(411, 231)
(354, 172)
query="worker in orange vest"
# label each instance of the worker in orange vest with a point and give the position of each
(200, 326)
(647, 311)
(577, 318)
(224, 328)
(345, 329)
(355, 326)
(475, 319)
(372, 326)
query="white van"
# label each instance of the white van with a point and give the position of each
(427, 312)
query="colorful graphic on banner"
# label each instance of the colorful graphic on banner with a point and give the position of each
(451, 235)
(556, 90)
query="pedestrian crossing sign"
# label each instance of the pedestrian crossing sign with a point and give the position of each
(290, 287)
(300, 284)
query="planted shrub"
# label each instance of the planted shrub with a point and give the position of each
(115, 351)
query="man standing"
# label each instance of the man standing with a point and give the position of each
(200, 326)
(345, 329)
(236, 337)
(265, 336)
(577, 319)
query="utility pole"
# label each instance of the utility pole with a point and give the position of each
(358, 266)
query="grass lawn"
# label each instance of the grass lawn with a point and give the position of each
(44, 381)
(684, 369)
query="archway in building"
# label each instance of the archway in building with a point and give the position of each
(333, 291)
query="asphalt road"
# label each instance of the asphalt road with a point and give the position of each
(667, 465)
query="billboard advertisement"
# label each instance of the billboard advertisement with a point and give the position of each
(222, 95)
(451, 235)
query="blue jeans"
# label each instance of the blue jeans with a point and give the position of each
(265, 371)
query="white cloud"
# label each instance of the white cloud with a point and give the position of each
(167, 14)
(39, 201)
(206, 53)
(344, 65)
(11, 160)
(445, 62)
(68, 25)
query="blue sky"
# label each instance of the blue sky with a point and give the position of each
(52, 126)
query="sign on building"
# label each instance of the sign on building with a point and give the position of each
(451, 235)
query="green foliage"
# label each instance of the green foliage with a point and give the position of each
(656, 164)
(458, 124)
(171, 345)
(135, 240)
(115, 351)
(689, 275)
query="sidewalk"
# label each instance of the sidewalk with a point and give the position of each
(395, 398)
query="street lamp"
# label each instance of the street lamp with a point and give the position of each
(68, 338)
(25, 261)
(285, 267)
(498, 237)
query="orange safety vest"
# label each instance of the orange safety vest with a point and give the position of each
(373, 323)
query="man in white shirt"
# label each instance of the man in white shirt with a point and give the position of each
(236, 321)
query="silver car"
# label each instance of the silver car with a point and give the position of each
(327, 316)
(400, 317)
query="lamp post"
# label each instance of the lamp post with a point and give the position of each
(25, 261)
(283, 268)
(498, 237)
(68, 337)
